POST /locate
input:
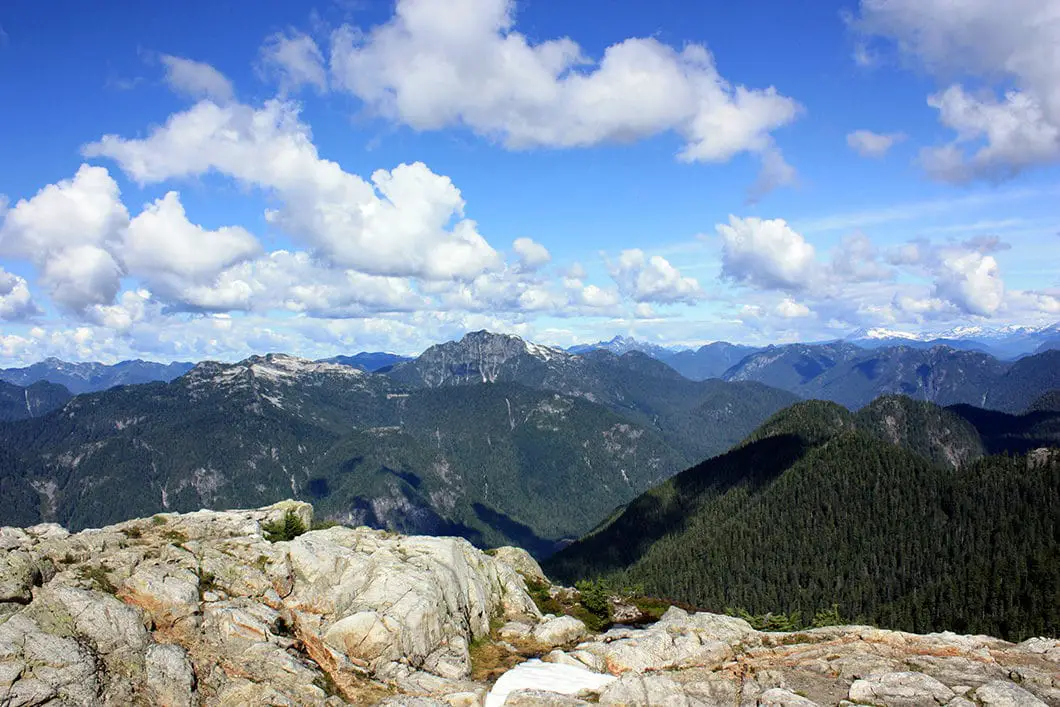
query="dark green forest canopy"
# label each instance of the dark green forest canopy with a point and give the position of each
(817, 509)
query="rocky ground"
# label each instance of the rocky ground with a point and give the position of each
(202, 609)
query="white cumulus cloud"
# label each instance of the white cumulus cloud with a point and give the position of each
(790, 309)
(768, 254)
(1008, 46)
(66, 231)
(164, 246)
(652, 279)
(295, 282)
(16, 302)
(407, 221)
(532, 255)
(463, 63)
(1015, 133)
(971, 281)
(857, 260)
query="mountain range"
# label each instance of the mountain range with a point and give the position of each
(91, 377)
(712, 360)
(541, 453)
(730, 493)
(1006, 343)
(854, 376)
(484, 437)
(709, 361)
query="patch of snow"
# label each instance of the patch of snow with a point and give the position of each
(545, 353)
(274, 399)
(278, 367)
(967, 331)
(881, 333)
(549, 677)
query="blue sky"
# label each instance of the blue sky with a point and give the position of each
(208, 180)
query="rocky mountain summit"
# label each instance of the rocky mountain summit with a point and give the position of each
(205, 608)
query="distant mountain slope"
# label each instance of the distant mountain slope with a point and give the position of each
(1001, 432)
(938, 434)
(1048, 402)
(795, 366)
(701, 418)
(484, 357)
(19, 403)
(709, 361)
(623, 344)
(91, 377)
(1024, 382)
(1049, 345)
(507, 462)
(497, 463)
(854, 376)
(368, 361)
(800, 518)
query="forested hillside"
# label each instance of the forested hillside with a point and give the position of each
(817, 510)
(18, 402)
(1025, 381)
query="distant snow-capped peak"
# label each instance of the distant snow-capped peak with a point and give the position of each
(958, 332)
(881, 333)
(545, 353)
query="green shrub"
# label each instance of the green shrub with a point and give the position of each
(828, 617)
(287, 529)
(788, 622)
(539, 593)
(651, 609)
(207, 582)
(595, 597)
(175, 536)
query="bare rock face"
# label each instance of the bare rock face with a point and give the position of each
(706, 659)
(520, 560)
(201, 609)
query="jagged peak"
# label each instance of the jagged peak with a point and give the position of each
(515, 343)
